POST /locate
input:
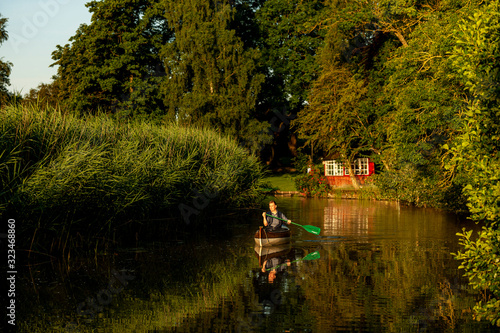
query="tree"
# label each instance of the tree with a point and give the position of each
(113, 64)
(212, 78)
(390, 61)
(290, 35)
(341, 116)
(5, 67)
(45, 94)
(476, 60)
(290, 39)
(425, 99)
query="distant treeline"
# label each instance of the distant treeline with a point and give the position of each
(411, 84)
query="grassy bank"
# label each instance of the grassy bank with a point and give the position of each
(281, 182)
(60, 172)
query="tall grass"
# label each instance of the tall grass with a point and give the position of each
(62, 169)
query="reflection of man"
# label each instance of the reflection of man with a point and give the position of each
(274, 266)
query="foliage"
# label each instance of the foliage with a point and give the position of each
(44, 94)
(178, 61)
(5, 67)
(342, 117)
(113, 64)
(407, 186)
(290, 36)
(313, 183)
(212, 78)
(480, 259)
(62, 168)
(475, 155)
(425, 99)
(301, 162)
(383, 88)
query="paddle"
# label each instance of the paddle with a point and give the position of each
(312, 229)
(311, 256)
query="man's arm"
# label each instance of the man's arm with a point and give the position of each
(286, 218)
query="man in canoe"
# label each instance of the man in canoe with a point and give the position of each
(274, 224)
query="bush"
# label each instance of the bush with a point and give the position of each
(410, 187)
(301, 162)
(313, 183)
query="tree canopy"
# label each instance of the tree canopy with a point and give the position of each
(113, 64)
(5, 66)
(212, 77)
(475, 152)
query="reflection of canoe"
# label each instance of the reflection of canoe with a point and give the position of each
(271, 238)
(269, 252)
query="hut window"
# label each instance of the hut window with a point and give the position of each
(333, 168)
(360, 167)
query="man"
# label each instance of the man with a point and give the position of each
(273, 224)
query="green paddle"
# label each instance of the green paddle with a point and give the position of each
(311, 256)
(312, 229)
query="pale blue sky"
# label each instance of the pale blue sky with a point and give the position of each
(35, 27)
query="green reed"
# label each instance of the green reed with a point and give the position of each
(69, 172)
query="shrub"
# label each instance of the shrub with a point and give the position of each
(410, 187)
(313, 183)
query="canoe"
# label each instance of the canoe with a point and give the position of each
(272, 238)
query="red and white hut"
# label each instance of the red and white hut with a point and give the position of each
(338, 175)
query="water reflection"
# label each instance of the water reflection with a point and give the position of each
(279, 259)
(343, 218)
(376, 267)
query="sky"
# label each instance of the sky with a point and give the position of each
(35, 27)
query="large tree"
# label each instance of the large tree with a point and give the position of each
(113, 64)
(5, 66)
(476, 151)
(344, 110)
(289, 36)
(212, 77)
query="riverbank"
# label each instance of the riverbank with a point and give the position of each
(66, 175)
(336, 193)
(283, 184)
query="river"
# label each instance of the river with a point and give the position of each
(375, 267)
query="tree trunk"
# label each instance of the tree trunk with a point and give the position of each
(292, 145)
(384, 162)
(354, 180)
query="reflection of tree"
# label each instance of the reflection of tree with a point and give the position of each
(386, 287)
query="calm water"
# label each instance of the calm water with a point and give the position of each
(376, 267)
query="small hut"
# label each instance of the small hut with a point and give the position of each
(338, 175)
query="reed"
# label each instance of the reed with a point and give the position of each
(61, 171)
